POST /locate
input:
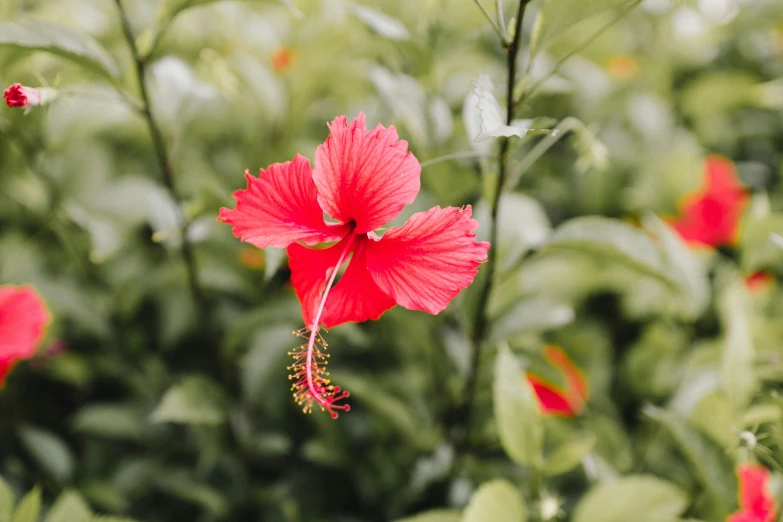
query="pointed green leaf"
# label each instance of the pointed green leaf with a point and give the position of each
(49, 451)
(611, 240)
(28, 508)
(496, 501)
(195, 400)
(40, 36)
(69, 507)
(569, 455)
(517, 415)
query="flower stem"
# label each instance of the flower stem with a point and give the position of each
(165, 166)
(481, 323)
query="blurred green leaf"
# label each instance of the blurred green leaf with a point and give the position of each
(557, 16)
(69, 507)
(195, 400)
(49, 451)
(569, 454)
(737, 371)
(109, 420)
(531, 314)
(6, 501)
(611, 240)
(436, 515)
(517, 415)
(381, 23)
(40, 36)
(709, 463)
(28, 508)
(643, 498)
(685, 268)
(498, 501)
(185, 488)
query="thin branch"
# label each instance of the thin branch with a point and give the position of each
(534, 87)
(456, 155)
(165, 165)
(501, 32)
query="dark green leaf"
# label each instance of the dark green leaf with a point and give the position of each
(49, 451)
(498, 501)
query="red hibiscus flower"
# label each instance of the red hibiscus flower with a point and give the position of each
(23, 318)
(756, 504)
(361, 180)
(554, 400)
(22, 97)
(711, 216)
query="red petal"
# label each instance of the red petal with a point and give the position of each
(754, 499)
(280, 207)
(364, 176)
(712, 215)
(355, 297)
(552, 400)
(577, 384)
(428, 261)
(23, 317)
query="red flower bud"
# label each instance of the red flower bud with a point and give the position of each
(23, 97)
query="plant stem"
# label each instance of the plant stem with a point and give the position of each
(161, 153)
(482, 321)
(499, 30)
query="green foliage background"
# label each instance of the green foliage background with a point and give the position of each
(146, 409)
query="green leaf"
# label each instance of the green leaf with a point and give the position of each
(611, 240)
(40, 36)
(557, 16)
(518, 419)
(569, 455)
(106, 518)
(492, 116)
(709, 463)
(496, 501)
(109, 420)
(195, 400)
(685, 268)
(436, 515)
(28, 508)
(381, 23)
(49, 451)
(185, 488)
(69, 507)
(641, 498)
(6, 502)
(737, 371)
(522, 225)
(533, 314)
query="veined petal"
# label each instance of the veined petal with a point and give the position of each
(355, 297)
(280, 207)
(429, 260)
(23, 318)
(362, 176)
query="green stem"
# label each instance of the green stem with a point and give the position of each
(482, 320)
(161, 154)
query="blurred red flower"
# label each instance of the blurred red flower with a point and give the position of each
(23, 318)
(282, 59)
(711, 216)
(758, 281)
(362, 179)
(17, 95)
(756, 504)
(553, 399)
